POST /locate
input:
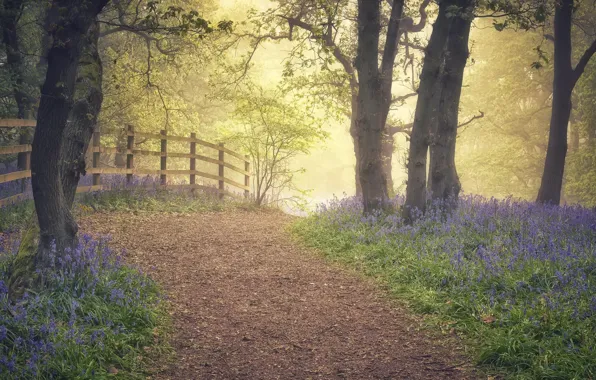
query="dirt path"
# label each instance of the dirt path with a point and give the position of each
(249, 304)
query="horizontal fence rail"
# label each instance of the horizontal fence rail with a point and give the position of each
(95, 169)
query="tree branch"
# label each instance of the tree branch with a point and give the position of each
(475, 117)
(402, 98)
(391, 43)
(583, 61)
(328, 41)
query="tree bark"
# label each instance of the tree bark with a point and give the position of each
(425, 116)
(368, 121)
(552, 177)
(374, 97)
(386, 159)
(83, 117)
(56, 223)
(354, 134)
(445, 181)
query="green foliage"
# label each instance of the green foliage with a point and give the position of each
(15, 217)
(503, 153)
(274, 130)
(142, 200)
(580, 173)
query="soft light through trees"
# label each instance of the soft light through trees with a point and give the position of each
(274, 130)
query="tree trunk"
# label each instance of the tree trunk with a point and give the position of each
(14, 61)
(368, 121)
(83, 117)
(424, 116)
(354, 134)
(374, 97)
(445, 182)
(386, 159)
(552, 177)
(56, 223)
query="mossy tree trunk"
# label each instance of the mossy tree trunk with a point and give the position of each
(59, 142)
(83, 116)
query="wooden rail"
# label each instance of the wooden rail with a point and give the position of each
(96, 149)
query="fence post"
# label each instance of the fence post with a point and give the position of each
(247, 175)
(130, 158)
(96, 152)
(221, 171)
(164, 157)
(193, 161)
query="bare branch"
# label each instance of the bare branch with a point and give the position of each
(475, 117)
(402, 98)
(583, 61)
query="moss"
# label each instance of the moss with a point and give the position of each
(23, 274)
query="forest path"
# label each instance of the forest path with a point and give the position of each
(248, 303)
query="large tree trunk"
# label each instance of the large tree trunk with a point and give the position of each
(374, 97)
(445, 182)
(425, 116)
(369, 128)
(83, 117)
(56, 223)
(552, 177)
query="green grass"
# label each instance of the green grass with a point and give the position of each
(15, 217)
(515, 335)
(93, 318)
(69, 330)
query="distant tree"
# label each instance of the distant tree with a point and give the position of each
(374, 96)
(274, 131)
(564, 81)
(11, 12)
(436, 118)
(503, 153)
(325, 36)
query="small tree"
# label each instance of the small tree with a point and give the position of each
(274, 131)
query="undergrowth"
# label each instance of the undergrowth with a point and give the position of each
(94, 317)
(142, 195)
(516, 279)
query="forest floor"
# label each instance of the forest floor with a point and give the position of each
(249, 303)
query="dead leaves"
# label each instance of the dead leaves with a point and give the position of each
(488, 319)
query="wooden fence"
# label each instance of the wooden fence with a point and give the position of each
(95, 169)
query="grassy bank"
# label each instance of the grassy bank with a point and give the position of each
(96, 317)
(517, 280)
(142, 195)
